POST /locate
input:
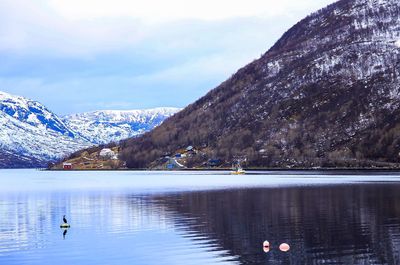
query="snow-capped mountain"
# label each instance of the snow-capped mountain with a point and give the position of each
(31, 135)
(102, 127)
(32, 113)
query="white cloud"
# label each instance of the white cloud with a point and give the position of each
(178, 9)
(36, 28)
(87, 27)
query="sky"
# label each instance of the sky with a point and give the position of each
(84, 55)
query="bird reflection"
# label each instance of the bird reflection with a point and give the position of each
(65, 232)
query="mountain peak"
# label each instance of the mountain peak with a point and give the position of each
(327, 93)
(32, 112)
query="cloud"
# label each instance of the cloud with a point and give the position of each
(90, 27)
(78, 55)
(36, 28)
(160, 10)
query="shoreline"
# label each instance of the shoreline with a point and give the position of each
(248, 170)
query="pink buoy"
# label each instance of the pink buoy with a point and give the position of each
(284, 247)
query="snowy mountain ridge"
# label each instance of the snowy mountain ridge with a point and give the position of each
(32, 112)
(31, 135)
(105, 126)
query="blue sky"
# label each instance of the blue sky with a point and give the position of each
(83, 55)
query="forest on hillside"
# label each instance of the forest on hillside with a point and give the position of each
(325, 95)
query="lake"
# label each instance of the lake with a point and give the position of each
(151, 218)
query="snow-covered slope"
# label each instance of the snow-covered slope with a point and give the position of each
(32, 113)
(30, 130)
(102, 127)
(31, 135)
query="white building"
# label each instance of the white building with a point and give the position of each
(108, 154)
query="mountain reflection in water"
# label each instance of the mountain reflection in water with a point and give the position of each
(341, 224)
(357, 224)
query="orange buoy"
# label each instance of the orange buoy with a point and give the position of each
(284, 247)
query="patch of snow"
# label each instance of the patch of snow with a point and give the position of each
(32, 119)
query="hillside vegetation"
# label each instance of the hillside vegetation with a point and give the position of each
(326, 94)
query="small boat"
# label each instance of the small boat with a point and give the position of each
(238, 171)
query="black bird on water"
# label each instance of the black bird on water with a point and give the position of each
(65, 225)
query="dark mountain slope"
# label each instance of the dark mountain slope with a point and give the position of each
(327, 93)
(9, 159)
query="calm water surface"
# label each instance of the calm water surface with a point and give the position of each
(198, 218)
